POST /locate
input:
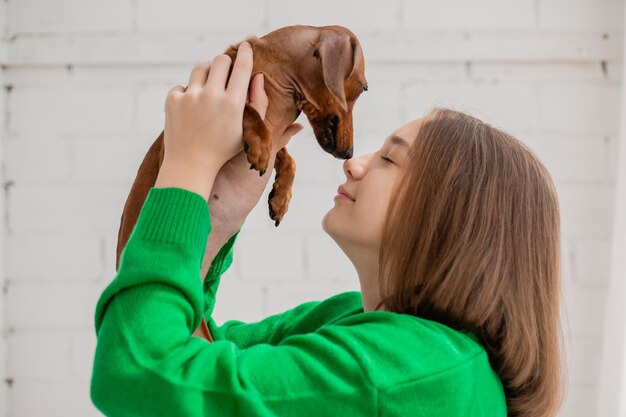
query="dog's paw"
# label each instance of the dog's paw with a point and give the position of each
(278, 202)
(257, 142)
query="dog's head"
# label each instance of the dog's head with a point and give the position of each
(330, 78)
(322, 70)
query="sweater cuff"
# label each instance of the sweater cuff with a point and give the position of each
(174, 215)
(224, 258)
(166, 246)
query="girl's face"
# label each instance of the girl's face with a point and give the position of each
(369, 180)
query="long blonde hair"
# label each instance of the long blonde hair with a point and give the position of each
(473, 241)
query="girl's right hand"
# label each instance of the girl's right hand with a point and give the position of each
(238, 187)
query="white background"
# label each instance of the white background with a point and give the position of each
(83, 87)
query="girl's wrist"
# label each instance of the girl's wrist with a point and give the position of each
(198, 179)
(215, 242)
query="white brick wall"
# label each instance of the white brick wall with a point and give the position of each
(88, 81)
(4, 390)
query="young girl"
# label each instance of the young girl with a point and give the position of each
(452, 226)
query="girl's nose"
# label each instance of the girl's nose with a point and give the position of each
(354, 167)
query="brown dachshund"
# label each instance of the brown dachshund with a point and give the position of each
(317, 70)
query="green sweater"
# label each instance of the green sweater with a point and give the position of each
(320, 358)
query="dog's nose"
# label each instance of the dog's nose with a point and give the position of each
(348, 154)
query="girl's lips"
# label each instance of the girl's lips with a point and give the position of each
(341, 190)
(343, 197)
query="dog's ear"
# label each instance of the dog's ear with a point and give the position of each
(337, 53)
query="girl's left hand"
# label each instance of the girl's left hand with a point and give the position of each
(203, 124)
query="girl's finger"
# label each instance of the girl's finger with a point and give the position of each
(198, 75)
(258, 98)
(177, 89)
(240, 76)
(291, 131)
(219, 72)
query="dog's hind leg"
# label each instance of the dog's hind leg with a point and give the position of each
(146, 177)
(279, 197)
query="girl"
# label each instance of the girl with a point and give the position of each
(452, 226)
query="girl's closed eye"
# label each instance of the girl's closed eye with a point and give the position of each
(387, 159)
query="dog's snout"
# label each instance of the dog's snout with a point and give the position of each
(348, 154)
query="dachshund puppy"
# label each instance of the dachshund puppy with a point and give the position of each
(316, 70)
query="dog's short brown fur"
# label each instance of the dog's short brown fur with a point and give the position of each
(317, 70)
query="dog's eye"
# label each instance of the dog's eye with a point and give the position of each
(316, 53)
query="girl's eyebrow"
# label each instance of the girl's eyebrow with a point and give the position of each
(397, 140)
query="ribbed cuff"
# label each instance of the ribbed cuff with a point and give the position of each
(166, 246)
(223, 259)
(174, 215)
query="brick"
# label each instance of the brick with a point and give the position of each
(586, 210)
(583, 310)
(579, 402)
(75, 208)
(313, 164)
(536, 72)
(238, 301)
(380, 46)
(567, 261)
(199, 16)
(378, 109)
(50, 161)
(82, 352)
(32, 258)
(109, 160)
(477, 15)
(612, 144)
(151, 102)
(270, 259)
(357, 15)
(509, 107)
(285, 297)
(436, 46)
(65, 16)
(326, 261)
(52, 306)
(68, 110)
(593, 261)
(579, 108)
(52, 400)
(573, 158)
(308, 206)
(39, 355)
(581, 15)
(583, 356)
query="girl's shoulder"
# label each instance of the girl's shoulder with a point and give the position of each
(413, 348)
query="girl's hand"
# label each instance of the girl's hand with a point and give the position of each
(238, 187)
(203, 123)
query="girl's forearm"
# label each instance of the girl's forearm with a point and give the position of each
(215, 242)
(198, 178)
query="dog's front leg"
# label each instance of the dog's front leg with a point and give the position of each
(279, 197)
(257, 142)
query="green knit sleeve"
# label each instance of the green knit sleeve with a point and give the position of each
(224, 258)
(304, 318)
(148, 363)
